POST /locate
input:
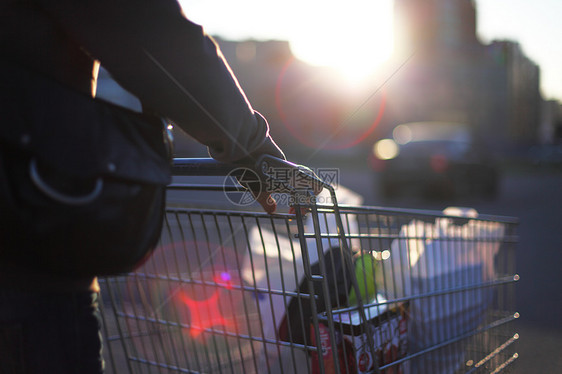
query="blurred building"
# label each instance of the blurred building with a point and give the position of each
(521, 80)
(551, 122)
(421, 25)
(450, 75)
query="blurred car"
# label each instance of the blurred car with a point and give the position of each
(440, 159)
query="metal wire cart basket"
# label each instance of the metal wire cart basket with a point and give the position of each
(340, 289)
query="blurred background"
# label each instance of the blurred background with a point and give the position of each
(418, 104)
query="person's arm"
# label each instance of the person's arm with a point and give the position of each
(175, 70)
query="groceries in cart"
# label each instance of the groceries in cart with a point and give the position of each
(452, 255)
(291, 321)
(388, 326)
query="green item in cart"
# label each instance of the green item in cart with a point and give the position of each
(365, 275)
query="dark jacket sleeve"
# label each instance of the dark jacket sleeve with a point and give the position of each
(172, 66)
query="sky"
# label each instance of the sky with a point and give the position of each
(332, 32)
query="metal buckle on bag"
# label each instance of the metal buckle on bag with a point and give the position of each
(60, 196)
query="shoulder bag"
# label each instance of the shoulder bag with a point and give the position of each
(82, 181)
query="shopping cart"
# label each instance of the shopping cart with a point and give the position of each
(337, 289)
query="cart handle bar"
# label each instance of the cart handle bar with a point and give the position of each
(288, 175)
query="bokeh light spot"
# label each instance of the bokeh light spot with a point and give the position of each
(386, 149)
(402, 134)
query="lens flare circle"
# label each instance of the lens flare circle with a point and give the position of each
(330, 142)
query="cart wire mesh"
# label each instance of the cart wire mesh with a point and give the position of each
(340, 289)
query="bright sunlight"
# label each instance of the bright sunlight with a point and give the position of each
(355, 37)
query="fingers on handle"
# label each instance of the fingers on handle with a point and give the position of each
(267, 202)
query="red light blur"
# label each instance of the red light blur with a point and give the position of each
(204, 314)
(439, 163)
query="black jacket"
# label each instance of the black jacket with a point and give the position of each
(152, 50)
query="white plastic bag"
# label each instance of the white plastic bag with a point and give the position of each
(446, 265)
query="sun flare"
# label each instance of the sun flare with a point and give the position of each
(354, 37)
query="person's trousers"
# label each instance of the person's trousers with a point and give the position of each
(49, 332)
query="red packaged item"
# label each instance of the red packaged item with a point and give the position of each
(389, 328)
